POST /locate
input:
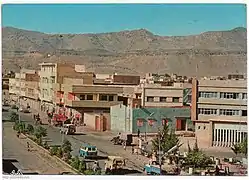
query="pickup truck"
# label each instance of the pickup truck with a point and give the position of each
(155, 170)
(152, 169)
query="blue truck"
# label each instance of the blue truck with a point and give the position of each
(88, 151)
(152, 169)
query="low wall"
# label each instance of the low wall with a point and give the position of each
(46, 154)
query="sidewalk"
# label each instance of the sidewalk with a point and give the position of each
(35, 160)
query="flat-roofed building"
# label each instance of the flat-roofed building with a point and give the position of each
(51, 76)
(164, 95)
(18, 85)
(32, 90)
(89, 104)
(219, 110)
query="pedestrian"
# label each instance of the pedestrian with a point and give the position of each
(119, 135)
(132, 150)
(125, 146)
(138, 133)
(28, 146)
(18, 134)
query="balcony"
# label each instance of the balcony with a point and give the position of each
(93, 104)
(92, 89)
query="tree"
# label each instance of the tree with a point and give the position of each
(40, 132)
(30, 129)
(20, 127)
(75, 162)
(196, 148)
(82, 166)
(189, 148)
(66, 146)
(53, 150)
(14, 117)
(197, 158)
(240, 148)
(167, 140)
(59, 152)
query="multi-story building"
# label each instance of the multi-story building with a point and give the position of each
(32, 90)
(89, 103)
(219, 110)
(165, 95)
(18, 85)
(167, 102)
(51, 75)
(90, 97)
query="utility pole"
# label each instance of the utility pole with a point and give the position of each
(159, 153)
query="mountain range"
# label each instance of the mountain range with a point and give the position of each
(213, 53)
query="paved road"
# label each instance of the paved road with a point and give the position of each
(15, 148)
(134, 163)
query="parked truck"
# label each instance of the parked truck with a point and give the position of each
(114, 164)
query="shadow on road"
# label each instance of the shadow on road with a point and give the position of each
(76, 134)
(125, 172)
(8, 166)
(98, 158)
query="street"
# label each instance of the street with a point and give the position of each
(15, 149)
(134, 163)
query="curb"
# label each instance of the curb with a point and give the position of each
(53, 157)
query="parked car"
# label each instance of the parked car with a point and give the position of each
(68, 129)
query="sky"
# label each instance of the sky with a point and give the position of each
(160, 19)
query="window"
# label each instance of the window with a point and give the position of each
(199, 127)
(225, 95)
(229, 112)
(82, 97)
(102, 97)
(176, 99)
(163, 99)
(150, 99)
(151, 122)
(110, 98)
(208, 94)
(244, 112)
(52, 79)
(207, 111)
(218, 134)
(89, 97)
(244, 96)
(140, 122)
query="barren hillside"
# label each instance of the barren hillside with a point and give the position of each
(136, 52)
